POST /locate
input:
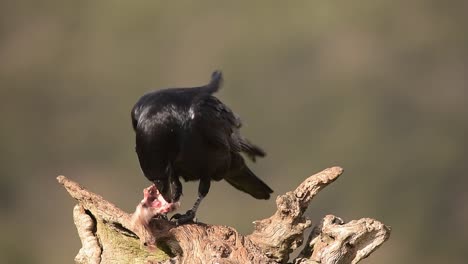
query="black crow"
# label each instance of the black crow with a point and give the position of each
(189, 133)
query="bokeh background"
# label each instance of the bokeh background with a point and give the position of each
(377, 87)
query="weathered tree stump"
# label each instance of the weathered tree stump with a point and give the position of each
(109, 236)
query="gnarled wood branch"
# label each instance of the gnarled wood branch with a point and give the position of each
(109, 236)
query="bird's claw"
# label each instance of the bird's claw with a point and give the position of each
(181, 219)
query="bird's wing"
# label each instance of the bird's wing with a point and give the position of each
(217, 122)
(251, 150)
(221, 126)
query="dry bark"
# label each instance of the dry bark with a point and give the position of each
(109, 236)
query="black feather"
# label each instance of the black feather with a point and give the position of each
(189, 133)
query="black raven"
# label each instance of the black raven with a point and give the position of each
(189, 133)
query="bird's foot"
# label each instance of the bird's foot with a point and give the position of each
(181, 219)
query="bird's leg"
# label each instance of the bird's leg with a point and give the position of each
(197, 203)
(203, 189)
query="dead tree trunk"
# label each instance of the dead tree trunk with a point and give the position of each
(108, 236)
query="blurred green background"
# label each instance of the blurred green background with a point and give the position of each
(377, 87)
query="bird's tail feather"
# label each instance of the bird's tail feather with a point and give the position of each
(245, 180)
(215, 83)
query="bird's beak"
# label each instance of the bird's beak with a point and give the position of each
(164, 189)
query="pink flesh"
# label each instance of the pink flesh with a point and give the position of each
(155, 201)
